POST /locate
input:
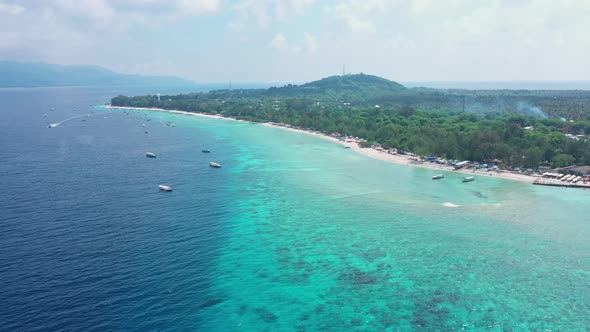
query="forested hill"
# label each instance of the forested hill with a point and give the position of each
(26, 75)
(353, 88)
(366, 85)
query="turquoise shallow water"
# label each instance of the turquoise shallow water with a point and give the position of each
(294, 233)
(324, 238)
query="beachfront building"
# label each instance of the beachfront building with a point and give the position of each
(584, 170)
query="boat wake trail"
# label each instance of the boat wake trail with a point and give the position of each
(450, 205)
(53, 125)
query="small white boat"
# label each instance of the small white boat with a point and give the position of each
(469, 179)
(165, 188)
(173, 125)
(438, 176)
(215, 165)
(150, 154)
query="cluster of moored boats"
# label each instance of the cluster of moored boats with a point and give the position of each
(148, 154)
(465, 179)
(164, 187)
(563, 177)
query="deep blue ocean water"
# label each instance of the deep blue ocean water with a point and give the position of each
(87, 241)
(293, 233)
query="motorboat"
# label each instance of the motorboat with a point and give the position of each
(469, 179)
(150, 154)
(438, 176)
(215, 165)
(165, 188)
(206, 151)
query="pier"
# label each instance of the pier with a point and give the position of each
(558, 183)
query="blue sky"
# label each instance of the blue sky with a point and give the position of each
(302, 40)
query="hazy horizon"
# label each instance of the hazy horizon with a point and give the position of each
(302, 40)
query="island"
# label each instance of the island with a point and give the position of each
(30, 75)
(522, 131)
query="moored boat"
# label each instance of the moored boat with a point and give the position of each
(438, 176)
(165, 188)
(150, 154)
(206, 151)
(469, 179)
(460, 165)
(214, 164)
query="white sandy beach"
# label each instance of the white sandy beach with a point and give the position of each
(369, 152)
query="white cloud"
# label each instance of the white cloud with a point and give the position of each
(310, 42)
(268, 12)
(94, 9)
(400, 39)
(288, 8)
(197, 7)
(462, 39)
(11, 9)
(358, 15)
(83, 31)
(135, 10)
(421, 5)
(279, 42)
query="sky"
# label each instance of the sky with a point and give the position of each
(211, 41)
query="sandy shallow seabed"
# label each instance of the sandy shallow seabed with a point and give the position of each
(396, 159)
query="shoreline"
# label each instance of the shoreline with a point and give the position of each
(369, 152)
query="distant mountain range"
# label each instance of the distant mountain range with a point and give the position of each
(17, 74)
